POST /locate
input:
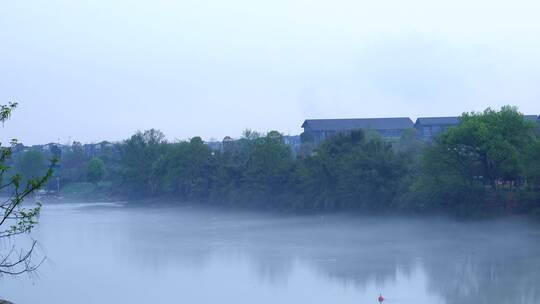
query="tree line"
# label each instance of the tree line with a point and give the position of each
(488, 164)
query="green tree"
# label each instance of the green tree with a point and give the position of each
(351, 171)
(72, 164)
(186, 169)
(470, 163)
(250, 134)
(268, 168)
(531, 165)
(95, 170)
(31, 164)
(138, 155)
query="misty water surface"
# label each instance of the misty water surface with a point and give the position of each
(113, 253)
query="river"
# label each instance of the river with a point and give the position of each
(122, 253)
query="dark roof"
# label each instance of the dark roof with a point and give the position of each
(358, 123)
(448, 120)
(453, 120)
(531, 117)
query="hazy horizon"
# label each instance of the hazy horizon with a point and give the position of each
(101, 70)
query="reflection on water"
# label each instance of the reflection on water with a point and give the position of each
(131, 254)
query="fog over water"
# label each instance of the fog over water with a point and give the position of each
(114, 253)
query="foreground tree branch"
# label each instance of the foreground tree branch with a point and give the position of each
(15, 218)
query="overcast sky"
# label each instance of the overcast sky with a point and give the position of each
(90, 70)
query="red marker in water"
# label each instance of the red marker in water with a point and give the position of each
(380, 299)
